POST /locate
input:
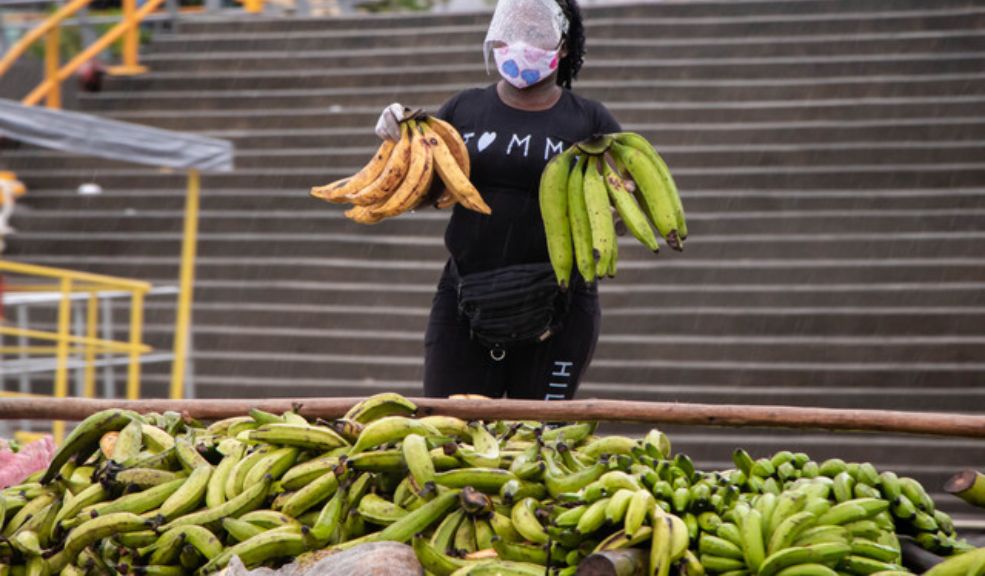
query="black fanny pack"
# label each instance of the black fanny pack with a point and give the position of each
(512, 306)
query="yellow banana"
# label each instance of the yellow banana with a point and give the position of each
(338, 190)
(392, 176)
(455, 179)
(450, 136)
(417, 183)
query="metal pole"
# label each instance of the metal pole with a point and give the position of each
(136, 334)
(78, 317)
(22, 341)
(52, 41)
(61, 358)
(109, 376)
(182, 323)
(92, 324)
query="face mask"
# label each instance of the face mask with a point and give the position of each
(523, 65)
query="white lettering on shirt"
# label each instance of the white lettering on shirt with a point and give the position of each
(550, 146)
(525, 142)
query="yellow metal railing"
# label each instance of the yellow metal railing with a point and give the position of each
(50, 30)
(64, 342)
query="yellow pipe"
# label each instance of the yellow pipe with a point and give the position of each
(52, 48)
(60, 273)
(76, 288)
(92, 322)
(108, 345)
(61, 369)
(131, 40)
(11, 394)
(182, 323)
(89, 53)
(53, 21)
(136, 329)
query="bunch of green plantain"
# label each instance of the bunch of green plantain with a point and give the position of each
(159, 494)
(581, 186)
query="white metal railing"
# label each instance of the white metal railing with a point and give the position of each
(19, 370)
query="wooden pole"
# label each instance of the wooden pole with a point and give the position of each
(654, 413)
(968, 485)
(627, 562)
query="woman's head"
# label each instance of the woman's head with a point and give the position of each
(572, 44)
(534, 39)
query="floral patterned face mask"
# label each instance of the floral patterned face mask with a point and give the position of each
(523, 65)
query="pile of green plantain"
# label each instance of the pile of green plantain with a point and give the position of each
(158, 494)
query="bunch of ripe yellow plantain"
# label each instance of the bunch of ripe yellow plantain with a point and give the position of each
(399, 177)
(578, 190)
(160, 495)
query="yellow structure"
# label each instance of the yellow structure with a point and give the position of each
(61, 343)
(50, 91)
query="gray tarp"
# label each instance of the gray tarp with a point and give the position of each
(89, 135)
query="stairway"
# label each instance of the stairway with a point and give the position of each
(830, 154)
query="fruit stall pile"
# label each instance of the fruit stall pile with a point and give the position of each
(162, 494)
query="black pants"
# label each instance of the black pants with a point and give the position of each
(551, 370)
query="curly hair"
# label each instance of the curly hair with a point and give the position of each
(574, 42)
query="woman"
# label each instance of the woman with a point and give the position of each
(511, 129)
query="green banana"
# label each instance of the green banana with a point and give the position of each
(599, 216)
(581, 229)
(262, 547)
(90, 532)
(189, 495)
(486, 480)
(379, 406)
(84, 439)
(526, 523)
(639, 143)
(553, 197)
(379, 510)
(390, 429)
(248, 500)
(316, 492)
(418, 459)
(239, 529)
(754, 548)
(787, 531)
(631, 214)
(403, 529)
(307, 437)
(433, 560)
(128, 442)
(653, 193)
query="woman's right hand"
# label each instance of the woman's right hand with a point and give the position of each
(388, 126)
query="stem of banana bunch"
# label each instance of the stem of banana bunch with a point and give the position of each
(969, 485)
(653, 413)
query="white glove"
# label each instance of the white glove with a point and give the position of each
(388, 126)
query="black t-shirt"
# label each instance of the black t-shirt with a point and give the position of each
(508, 149)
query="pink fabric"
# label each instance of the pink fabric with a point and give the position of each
(15, 467)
